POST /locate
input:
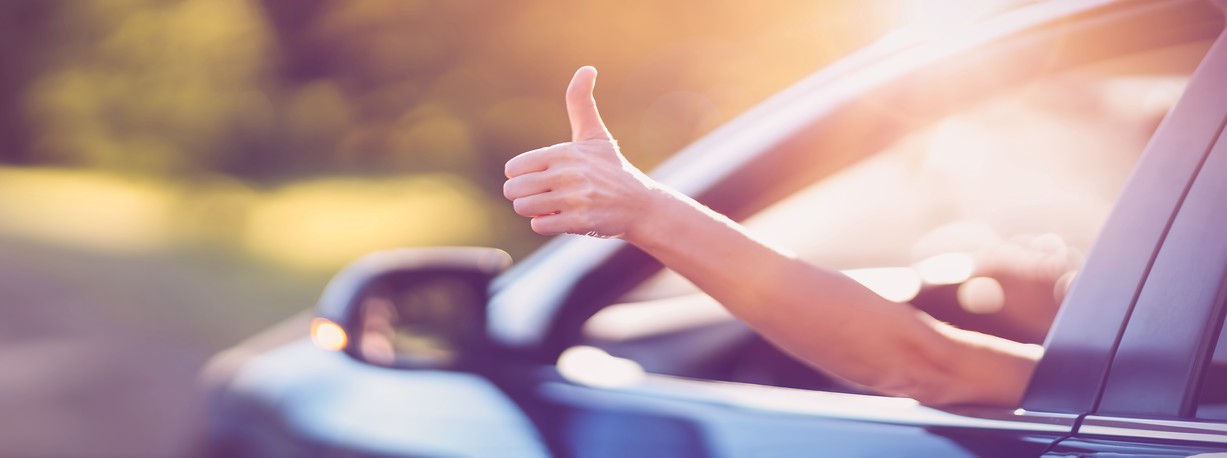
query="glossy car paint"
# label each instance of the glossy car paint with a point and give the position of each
(1172, 328)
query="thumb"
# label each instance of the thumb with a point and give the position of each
(586, 121)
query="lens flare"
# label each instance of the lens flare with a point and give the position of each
(946, 269)
(328, 335)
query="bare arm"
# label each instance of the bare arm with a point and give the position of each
(820, 316)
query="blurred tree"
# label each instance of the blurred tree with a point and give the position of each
(389, 68)
(23, 36)
(272, 89)
(464, 85)
(147, 86)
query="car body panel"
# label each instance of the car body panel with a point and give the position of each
(330, 404)
(1104, 436)
(1087, 330)
(1174, 324)
(730, 419)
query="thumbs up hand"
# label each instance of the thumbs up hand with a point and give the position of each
(584, 186)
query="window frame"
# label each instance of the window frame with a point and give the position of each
(1173, 327)
(1086, 332)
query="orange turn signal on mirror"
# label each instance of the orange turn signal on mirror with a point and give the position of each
(328, 335)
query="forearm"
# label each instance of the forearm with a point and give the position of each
(826, 318)
(800, 307)
(721, 258)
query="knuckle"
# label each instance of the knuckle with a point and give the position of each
(572, 177)
(576, 201)
(571, 152)
(591, 193)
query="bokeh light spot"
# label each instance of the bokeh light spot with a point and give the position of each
(981, 295)
(328, 335)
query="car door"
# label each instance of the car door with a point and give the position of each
(1164, 393)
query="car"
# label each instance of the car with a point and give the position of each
(1100, 121)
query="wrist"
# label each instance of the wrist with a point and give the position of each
(660, 219)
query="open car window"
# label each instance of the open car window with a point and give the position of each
(1041, 164)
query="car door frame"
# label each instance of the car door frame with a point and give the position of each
(1151, 388)
(1087, 331)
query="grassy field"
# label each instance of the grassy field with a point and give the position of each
(101, 352)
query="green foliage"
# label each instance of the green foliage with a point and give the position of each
(148, 86)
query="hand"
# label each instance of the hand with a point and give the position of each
(584, 186)
(1027, 277)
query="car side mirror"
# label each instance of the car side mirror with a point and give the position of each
(410, 307)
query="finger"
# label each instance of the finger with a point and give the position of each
(550, 224)
(526, 185)
(536, 205)
(537, 160)
(586, 121)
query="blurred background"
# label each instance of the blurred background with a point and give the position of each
(176, 175)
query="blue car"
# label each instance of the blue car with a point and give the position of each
(1095, 126)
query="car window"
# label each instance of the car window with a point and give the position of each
(1038, 167)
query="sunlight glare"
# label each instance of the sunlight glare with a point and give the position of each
(946, 269)
(594, 367)
(942, 17)
(896, 284)
(97, 211)
(628, 321)
(359, 215)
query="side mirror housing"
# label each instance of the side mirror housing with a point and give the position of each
(411, 307)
